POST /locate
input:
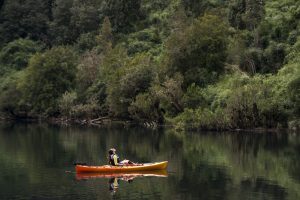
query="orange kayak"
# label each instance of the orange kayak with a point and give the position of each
(129, 168)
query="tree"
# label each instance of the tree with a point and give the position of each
(48, 76)
(60, 30)
(24, 19)
(146, 108)
(294, 95)
(16, 54)
(123, 14)
(88, 72)
(134, 77)
(10, 95)
(112, 62)
(86, 42)
(170, 94)
(246, 14)
(195, 7)
(84, 16)
(199, 52)
(67, 103)
(105, 38)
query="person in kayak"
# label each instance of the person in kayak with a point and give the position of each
(114, 160)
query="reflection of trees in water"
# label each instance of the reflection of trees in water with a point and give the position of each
(32, 145)
(259, 159)
(207, 165)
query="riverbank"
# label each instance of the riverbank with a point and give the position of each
(109, 122)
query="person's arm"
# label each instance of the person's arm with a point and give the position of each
(116, 160)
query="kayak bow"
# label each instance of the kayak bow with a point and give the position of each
(128, 168)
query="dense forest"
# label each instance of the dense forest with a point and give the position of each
(209, 64)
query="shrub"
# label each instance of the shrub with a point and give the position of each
(202, 119)
(89, 110)
(10, 95)
(48, 76)
(128, 81)
(16, 54)
(194, 97)
(66, 103)
(145, 108)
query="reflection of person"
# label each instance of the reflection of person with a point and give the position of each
(113, 185)
(114, 160)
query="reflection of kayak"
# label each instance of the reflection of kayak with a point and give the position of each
(156, 173)
(129, 168)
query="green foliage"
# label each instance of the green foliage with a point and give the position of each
(105, 38)
(66, 103)
(68, 107)
(60, 29)
(244, 102)
(194, 97)
(97, 94)
(199, 119)
(88, 72)
(15, 55)
(151, 61)
(246, 14)
(113, 61)
(170, 94)
(48, 76)
(146, 108)
(89, 110)
(269, 35)
(127, 82)
(294, 94)
(288, 78)
(122, 13)
(199, 52)
(10, 94)
(24, 19)
(195, 7)
(84, 16)
(85, 42)
(147, 40)
(283, 17)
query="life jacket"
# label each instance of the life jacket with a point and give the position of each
(112, 161)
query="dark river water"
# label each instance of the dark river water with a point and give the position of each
(36, 162)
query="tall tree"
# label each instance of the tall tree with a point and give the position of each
(105, 38)
(84, 16)
(48, 76)
(16, 54)
(23, 19)
(128, 81)
(199, 52)
(195, 7)
(60, 28)
(123, 14)
(246, 14)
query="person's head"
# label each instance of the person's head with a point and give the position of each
(112, 151)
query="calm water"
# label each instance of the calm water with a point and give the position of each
(36, 163)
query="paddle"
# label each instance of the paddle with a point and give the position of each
(79, 163)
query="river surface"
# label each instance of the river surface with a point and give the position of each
(36, 162)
